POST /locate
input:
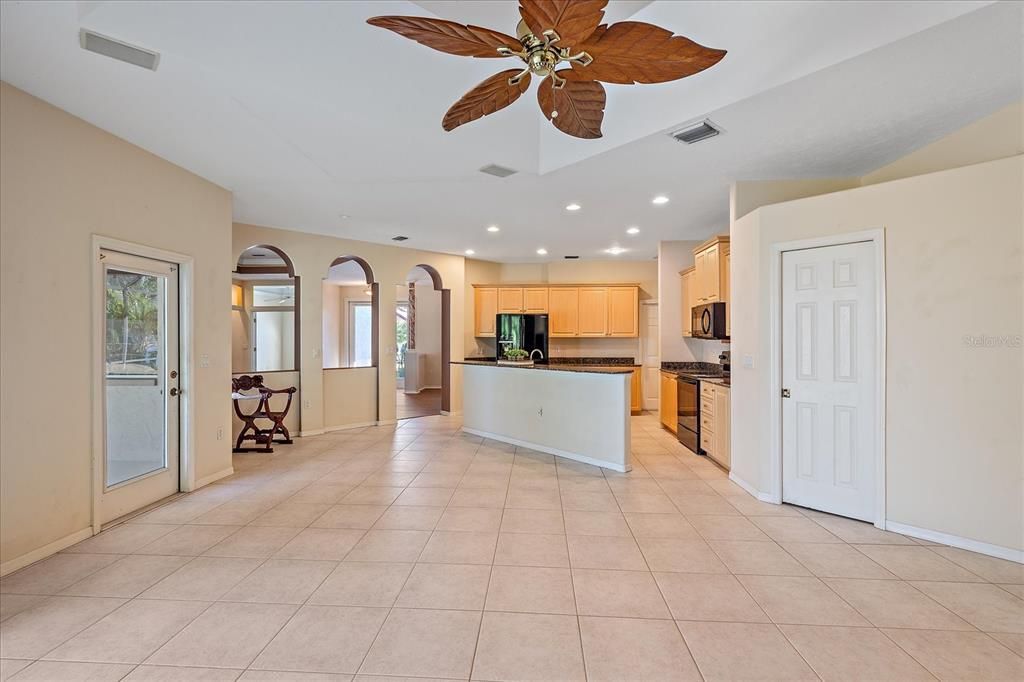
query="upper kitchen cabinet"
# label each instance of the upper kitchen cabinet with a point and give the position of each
(485, 307)
(593, 316)
(563, 312)
(535, 300)
(711, 278)
(687, 279)
(623, 311)
(574, 310)
(510, 300)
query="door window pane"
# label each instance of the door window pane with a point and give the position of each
(135, 344)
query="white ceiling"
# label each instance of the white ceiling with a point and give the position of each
(308, 114)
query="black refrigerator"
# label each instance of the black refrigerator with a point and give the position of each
(529, 332)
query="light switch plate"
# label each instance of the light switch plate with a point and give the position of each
(748, 362)
(204, 361)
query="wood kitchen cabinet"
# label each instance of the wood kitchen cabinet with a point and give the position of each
(687, 279)
(485, 307)
(726, 286)
(535, 300)
(711, 273)
(510, 299)
(715, 423)
(563, 312)
(623, 311)
(635, 392)
(574, 310)
(668, 411)
(593, 311)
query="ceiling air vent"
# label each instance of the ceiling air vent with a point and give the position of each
(697, 132)
(570, 257)
(399, 238)
(115, 49)
(498, 171)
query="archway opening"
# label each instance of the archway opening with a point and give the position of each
(350, 315)
(264, 312)
(422, 335)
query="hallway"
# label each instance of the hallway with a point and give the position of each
(423, 404)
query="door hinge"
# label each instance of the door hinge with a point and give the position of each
(785, 393)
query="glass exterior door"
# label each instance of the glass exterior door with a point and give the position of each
(140, 382)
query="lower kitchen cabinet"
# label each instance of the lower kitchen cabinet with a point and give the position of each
(635, 391)
(715, 423)
(669, 405)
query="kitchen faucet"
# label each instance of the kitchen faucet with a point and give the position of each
(537, 350)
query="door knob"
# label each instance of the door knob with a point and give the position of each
(174, 392)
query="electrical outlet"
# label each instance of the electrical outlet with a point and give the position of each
(748, 362)
(204, 361)
(306, 404)
(220, 433)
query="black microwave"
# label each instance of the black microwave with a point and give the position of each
(708, 321)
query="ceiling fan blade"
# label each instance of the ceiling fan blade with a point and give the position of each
(449, 36)
(634, 52)
(573, 20)
(489, 96)
(576, 109)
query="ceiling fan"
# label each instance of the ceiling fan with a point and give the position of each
(552, 32)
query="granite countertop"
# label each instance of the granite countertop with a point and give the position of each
(556, 367)
(699, 370)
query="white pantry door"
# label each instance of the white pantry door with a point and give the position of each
(650, 356)
(829, 417)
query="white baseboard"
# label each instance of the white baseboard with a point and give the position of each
(451, 414)
(420, 389)
(311, 432)
(207, 480)
(956, 541)
(386, 422)
(752, 491)
(35, 555)
(551, 451)
(346, 427)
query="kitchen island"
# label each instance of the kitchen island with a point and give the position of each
(579, 412)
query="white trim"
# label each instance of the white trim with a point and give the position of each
(550, 450)
(186, 362)
(346, 427)
(451, 414)
(312, 432)
(386, 422)
(877, 238)
(999, 551)
(754, 492)
(207, 480)
(420, 389)
(46, 550)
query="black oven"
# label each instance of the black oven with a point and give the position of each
(688, 423)
(708, 321)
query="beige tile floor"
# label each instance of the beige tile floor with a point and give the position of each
(418, 551)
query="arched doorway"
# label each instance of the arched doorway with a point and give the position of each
(423, 339)
(350, 314)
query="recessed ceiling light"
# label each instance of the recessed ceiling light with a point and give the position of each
(542, 252)
(470, 252)
(494, 228)
(633, 230)
(573, 207)
(615, 250)
(659, 200)
(344, 216)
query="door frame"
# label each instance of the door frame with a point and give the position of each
(186, 363)
(876, 237)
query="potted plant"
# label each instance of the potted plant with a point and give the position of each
(515, 356)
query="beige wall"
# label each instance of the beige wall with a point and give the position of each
(335, 336)
(62, 181)
(953, 410)
(312, 255)
(644, 273)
